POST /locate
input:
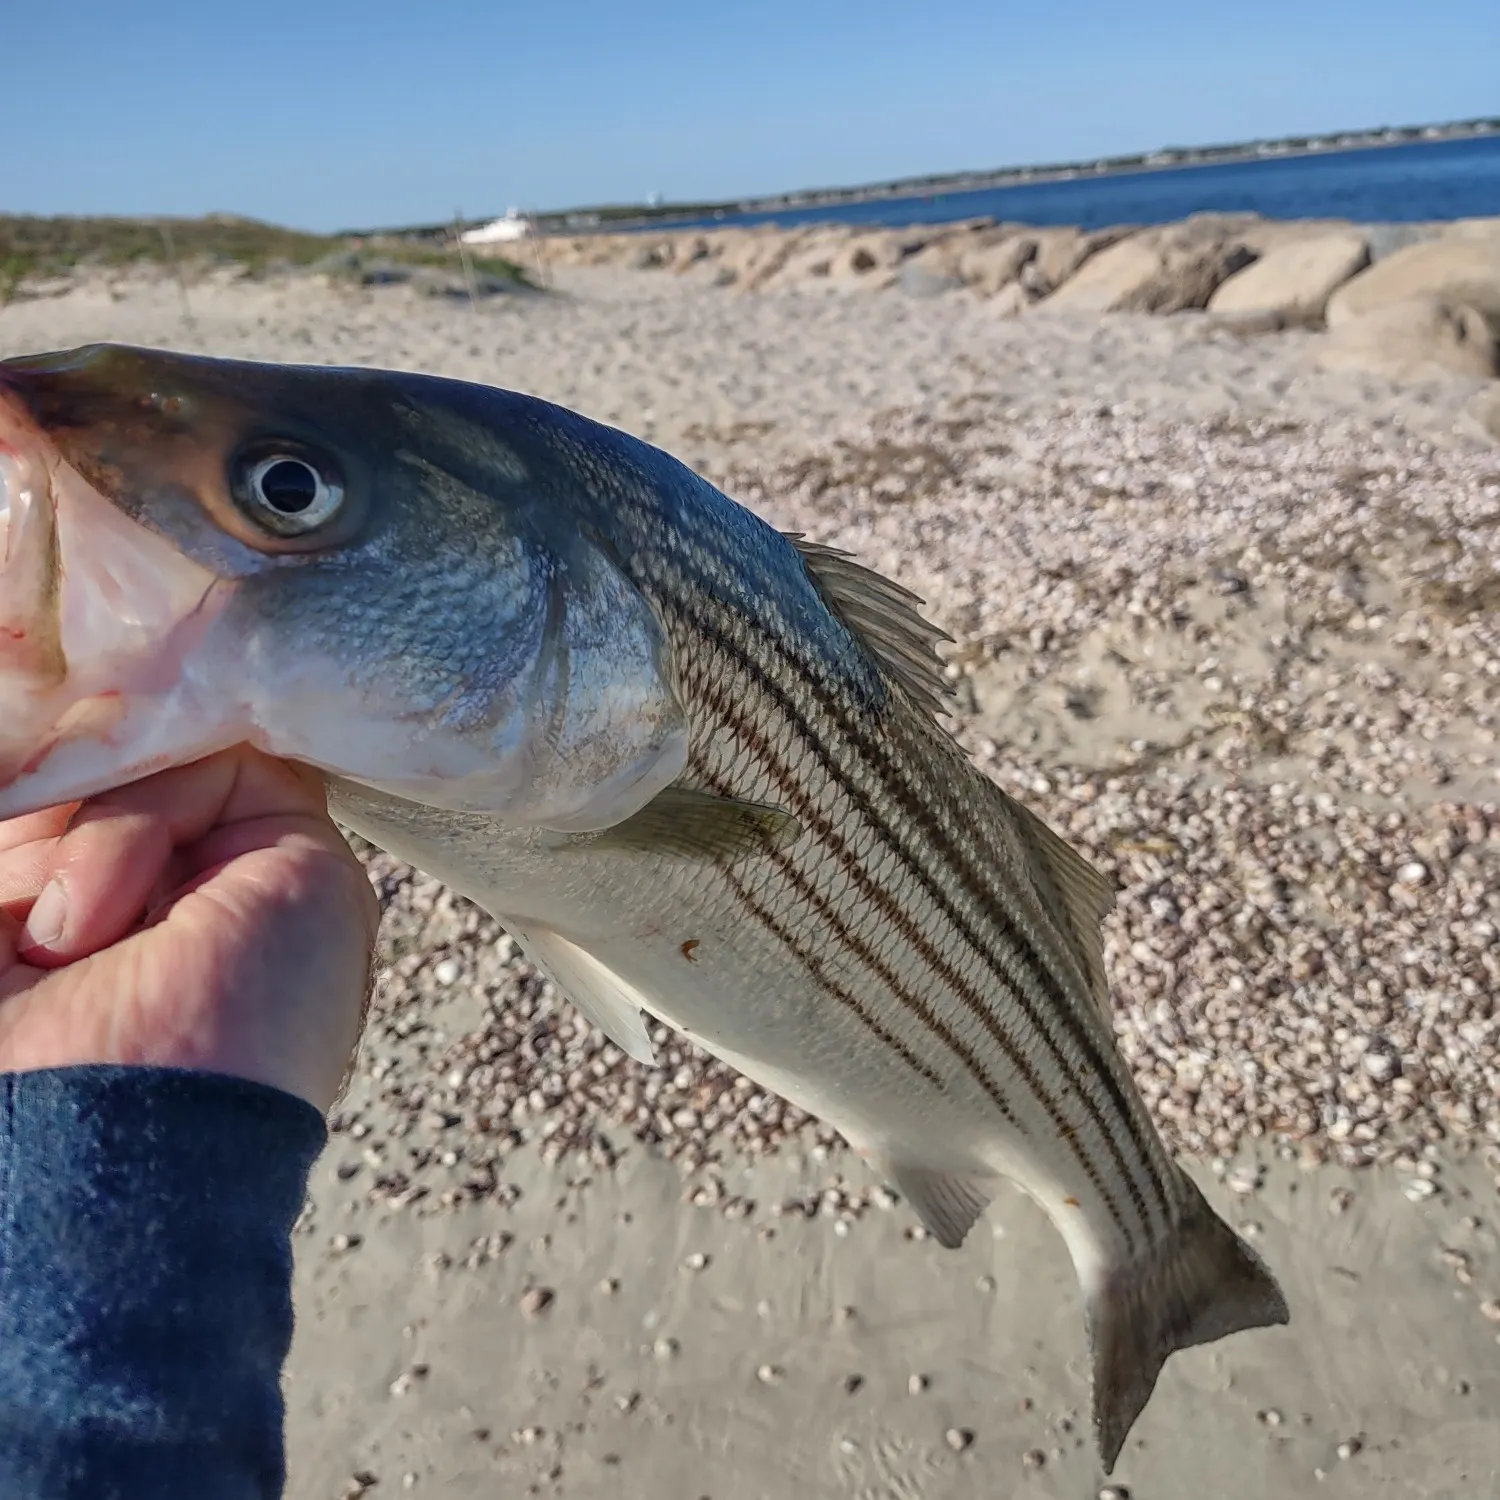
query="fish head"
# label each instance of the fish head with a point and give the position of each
(351, 568)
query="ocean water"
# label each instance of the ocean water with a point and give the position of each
(1415, 181)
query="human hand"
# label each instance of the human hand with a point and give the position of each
(208, 917)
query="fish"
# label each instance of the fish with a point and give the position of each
(698, 768)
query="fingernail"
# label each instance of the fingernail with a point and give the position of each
(48, 917)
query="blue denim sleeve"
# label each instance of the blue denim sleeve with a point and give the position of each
(145, 1282)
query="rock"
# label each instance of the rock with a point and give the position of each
(1481, 417)
(1246, 324)
(690, 250)
(919, 281)
(1294, 280)
(1102, 283)
(755, 256)
(941, 257)
(1011, 301)
(1484, 231)
(1420, 338)
(1060, 252)
(992, 267)
(866, 253)
(814, 257)
(1386, 239)
(536, 1300)
(1157, 271)
(1459, 271)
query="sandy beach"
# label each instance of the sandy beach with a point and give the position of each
(1227, 614)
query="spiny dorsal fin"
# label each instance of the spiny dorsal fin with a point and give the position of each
(693, 825)
(886, 618)
(1076, 890)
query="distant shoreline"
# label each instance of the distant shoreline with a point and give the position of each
(619, 217)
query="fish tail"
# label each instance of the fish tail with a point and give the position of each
(1200, 1284)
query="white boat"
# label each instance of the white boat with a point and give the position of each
(514, 226)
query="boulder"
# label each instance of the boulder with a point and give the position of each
(1474, 229)
(1157, 271)
(1421, 338)
(1482, 415)
(753, 256)
(867, 253)
(812, 259)
(924, 281)
(1387, 239)
(1060, 252)
(690, 250)
(942, 256)
(1295, 279)
(1011, 300)
(1104, 282)
(989, 268)
(1455, 270)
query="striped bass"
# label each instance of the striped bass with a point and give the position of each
(694, 765)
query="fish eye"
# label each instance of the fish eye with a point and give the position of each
(286, 489)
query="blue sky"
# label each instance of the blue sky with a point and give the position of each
(329, 114)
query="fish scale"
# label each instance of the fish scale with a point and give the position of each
(694, 766)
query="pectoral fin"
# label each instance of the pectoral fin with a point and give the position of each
(608, 1001)
(689, 824)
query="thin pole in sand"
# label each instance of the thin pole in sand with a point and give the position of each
(170, 245)
(538, 256)
(463, 255)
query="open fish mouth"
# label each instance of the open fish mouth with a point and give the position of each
(98, 618)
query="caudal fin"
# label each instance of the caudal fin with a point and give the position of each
(1201, 1284)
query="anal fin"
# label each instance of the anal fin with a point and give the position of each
(947, 1203)
(609, 1002)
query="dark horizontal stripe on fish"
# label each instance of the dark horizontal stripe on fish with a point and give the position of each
(807, 892)
(908, 802)
(809, 962)
(813, 818)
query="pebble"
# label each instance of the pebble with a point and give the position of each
(1270, 1417)
(1033, 1458)
(695, 1262)
(959, 1438)
(1245, 1178)
(536, 1300)
(609, 1285)
(1491, 1309)
(447, 970)
(916, 1384)
(769, 1374)
(665, 1348)
(1349, 1447)
(1114, 1492)
(1419, 1189)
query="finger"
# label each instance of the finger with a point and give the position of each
(31, 827)
(120, 845)
(23, 872)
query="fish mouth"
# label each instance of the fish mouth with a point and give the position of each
(97, 618)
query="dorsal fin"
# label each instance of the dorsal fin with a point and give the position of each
(1080, 895)
(886, 618)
